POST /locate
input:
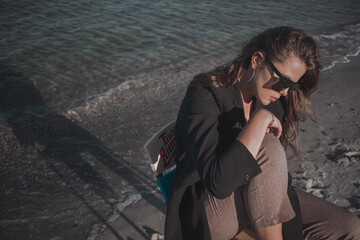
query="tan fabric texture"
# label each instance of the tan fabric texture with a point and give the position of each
(323, 220)
(264, 202)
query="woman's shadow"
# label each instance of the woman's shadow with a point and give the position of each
(58, 138)
(52, 134)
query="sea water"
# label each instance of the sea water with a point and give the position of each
(73, 51)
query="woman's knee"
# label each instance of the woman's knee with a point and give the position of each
(272, 161)
(272, 155)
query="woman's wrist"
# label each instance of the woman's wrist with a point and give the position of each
(272, 117)
(268, 115)
(255, 129)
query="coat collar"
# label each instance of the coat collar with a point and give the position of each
(238, 100)
(237, 95)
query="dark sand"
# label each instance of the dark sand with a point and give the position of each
(72, 178)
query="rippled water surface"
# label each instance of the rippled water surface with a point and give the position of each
(75, 50)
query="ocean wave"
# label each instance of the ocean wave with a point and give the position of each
(337, 45)
(99, 101)
(344, 59)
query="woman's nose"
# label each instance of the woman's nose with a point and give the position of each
(284, 92)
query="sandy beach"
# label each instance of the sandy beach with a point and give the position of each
(329, 161)
(55, 189)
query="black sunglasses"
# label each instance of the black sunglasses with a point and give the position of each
(284, 82)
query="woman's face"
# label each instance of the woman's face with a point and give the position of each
(293, 68)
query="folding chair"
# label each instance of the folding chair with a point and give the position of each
(161, 151)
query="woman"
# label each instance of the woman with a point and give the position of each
(231, 130)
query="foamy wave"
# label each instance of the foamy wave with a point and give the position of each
(344, 60)
(152, 83)
(336, 47)
(104, 98)
(332, 36)
(340, 44)
(127, 85)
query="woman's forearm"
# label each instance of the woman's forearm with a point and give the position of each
(254, 131)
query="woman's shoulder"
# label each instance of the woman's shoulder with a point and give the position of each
(206, 82)
(202, 81)
(203, 96)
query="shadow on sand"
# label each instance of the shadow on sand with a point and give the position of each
(58, 138)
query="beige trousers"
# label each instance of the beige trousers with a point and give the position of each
(264, 202)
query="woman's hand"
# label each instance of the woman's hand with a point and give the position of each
(274, 126)
(261, 121)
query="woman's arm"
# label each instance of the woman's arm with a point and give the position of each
(252, 135)
(222, 170)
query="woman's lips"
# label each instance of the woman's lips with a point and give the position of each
(273, 99)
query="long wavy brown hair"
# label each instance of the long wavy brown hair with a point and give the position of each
(278, 44)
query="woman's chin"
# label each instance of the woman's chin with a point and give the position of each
(265, 102)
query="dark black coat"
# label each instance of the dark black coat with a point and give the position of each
(208, 155)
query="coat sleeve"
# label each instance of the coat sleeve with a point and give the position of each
(221, 172)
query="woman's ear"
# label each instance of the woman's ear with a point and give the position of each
(256, 59)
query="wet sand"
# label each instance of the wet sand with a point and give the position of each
(85, 176)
